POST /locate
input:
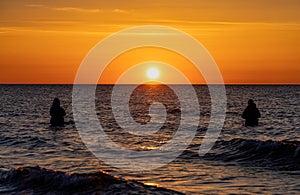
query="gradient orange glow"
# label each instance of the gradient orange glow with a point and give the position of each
(252, 42)
(128, 59)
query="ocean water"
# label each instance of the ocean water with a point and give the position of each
(37, 159)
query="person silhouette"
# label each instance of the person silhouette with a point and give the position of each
(57, 113)
(251, 114)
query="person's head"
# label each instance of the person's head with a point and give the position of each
(56, 102)
(250, 102)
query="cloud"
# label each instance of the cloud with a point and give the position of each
(30, 30)
(120, 11)
(76, 9)
(34, 5)
(66, 9)
(88, 10)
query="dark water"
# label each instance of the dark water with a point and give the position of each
(263, 159)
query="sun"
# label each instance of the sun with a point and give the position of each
(152, 73)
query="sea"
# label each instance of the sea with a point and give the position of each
(36, 158)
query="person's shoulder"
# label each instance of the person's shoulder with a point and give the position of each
(247, 108)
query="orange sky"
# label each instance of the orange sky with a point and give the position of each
(252, 42)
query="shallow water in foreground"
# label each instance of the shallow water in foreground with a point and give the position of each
(263, 159)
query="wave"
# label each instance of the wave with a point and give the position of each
(26, 141)
(36, 180)
(282, 155)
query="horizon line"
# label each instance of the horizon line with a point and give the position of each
(150, 84)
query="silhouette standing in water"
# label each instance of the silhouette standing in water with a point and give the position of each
(251, 114)
(57, 113)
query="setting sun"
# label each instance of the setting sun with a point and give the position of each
(152, 73)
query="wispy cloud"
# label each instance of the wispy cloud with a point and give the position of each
(79, 9)
(34, 5)
(4, 30)
(120, 11)
(76, 9)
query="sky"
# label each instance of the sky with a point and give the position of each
(252, 42)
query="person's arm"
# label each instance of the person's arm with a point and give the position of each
(51, 111)
(244, 115)
(258, 114)
(63, 112)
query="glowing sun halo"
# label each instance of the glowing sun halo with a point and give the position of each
(152, 73)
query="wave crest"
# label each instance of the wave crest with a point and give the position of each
(283, 155)
(36, 180)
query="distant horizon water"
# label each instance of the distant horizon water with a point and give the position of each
(151, 83)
